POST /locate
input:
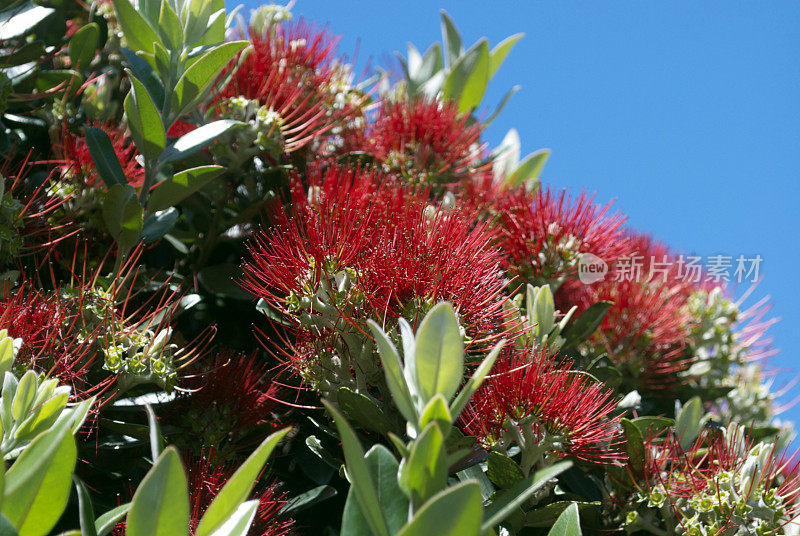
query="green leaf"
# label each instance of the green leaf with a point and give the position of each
(85, 510)
(514, 497)
(23, 21)
(547, 515)
(468, 78)
(122, 214)
(158, 224)
(144, 72)
(384, 467)
(46, 414)
(424, 472)
(394, 504)
(510, 93)
(362, 410)
(475, 380)
(298, 503)
(652, 425)
(436, 412)
(193, 141)
(144, 120)
(544, 310)
(505, 158)
(439, 356)
(6, 354)
(455, 511)
(393, 370)
(499, 53)
(198, 13)
(530, 168)
(503, 471)
(586, 324)
(215, 29)
(688, 424)
(238, 524)
(156, 440)
(160, 506)
(23, 53)
(202, 74)
(24, 395)
(451, 38)
(6, 528)
(150, 9)
(104, 157)
(422, 68)
(62, 80)
(137, 31)
(568, 523)
(222, 279)
(238, 487)
(38, 484)
(83, 44)
(170, 27)
(634, 445)
(359, 475)
(182, 185)
(353, 521)
(106, 522)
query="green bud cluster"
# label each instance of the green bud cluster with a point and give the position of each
(261, 131)
(138, 354)
(741, 501)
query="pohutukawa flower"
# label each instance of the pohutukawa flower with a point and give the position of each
(126, 320)
(46, 324)
(228, 398)
(291, 74)
(206, 477)
(425, 141)
(77, 166)
(543, 234)
(722, 482)
(359, 246)
(531, 397)
(647, 327)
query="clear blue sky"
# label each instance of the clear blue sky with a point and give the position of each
(686, 112)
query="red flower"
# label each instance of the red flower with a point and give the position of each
(225, 401)
(532, 389)
(419, 256)
(47, 325)
(292, 70)
(424, 141)
(711, 461)
(377, 251)
(543, 234)
(77, 162)
(179, 128)
(206, 479)
(647, 326)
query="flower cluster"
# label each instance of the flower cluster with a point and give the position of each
(722, 483)
(353, 243)
(361, 247)
(542, 404)
(543, 234)
(423, 141)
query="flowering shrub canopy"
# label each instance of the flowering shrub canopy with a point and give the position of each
(218, 244)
